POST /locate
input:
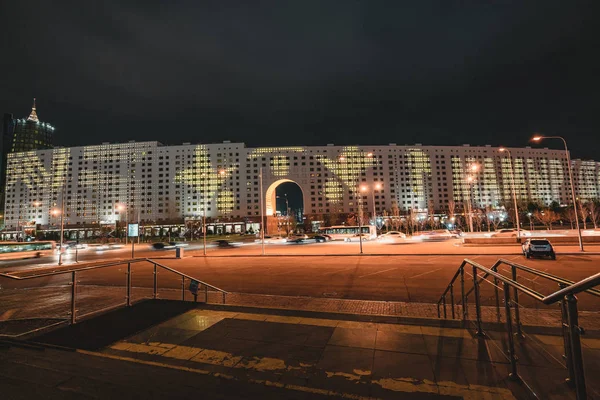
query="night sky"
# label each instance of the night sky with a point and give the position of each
(306, 72)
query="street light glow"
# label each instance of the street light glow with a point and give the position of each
(537, 138)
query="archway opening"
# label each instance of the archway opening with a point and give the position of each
(284, 208)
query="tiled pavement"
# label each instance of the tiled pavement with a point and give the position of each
(294, 355)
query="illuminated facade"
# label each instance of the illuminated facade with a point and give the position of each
(158, 183)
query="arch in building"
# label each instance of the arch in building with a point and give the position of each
(270, 199)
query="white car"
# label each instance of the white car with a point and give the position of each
(511, 232)
(357, 237)
(273, 239)
(392, 237)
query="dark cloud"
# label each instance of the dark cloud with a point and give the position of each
(305, 72)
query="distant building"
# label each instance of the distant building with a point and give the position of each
(31, 134)
(161, 184)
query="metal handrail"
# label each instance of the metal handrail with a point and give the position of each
(566, 296)
(112, 264)
(583, 285)
(542, 274)
(73, 272)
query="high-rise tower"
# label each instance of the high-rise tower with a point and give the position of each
(31, 133)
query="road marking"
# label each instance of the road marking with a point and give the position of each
(425, 273)
(378, 272)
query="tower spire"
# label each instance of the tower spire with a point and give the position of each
(33, 116)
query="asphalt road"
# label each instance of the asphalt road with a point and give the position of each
(323, 270)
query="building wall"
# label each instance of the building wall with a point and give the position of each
(165, 183)
(31, 135)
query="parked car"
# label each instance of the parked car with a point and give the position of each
(322, 238)
(510, 232)
(538, 247)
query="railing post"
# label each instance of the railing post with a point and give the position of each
(128, 284)
(462, 293)
(438, 310)
(224, 295)
(498, 319)
(509, 334)
(452, 298)
(206, 294)
(444, 304)
(183, 288)
(155, 294)
(566, 339)
(477, 303)
(73, 296)
(516, 303)
(575, 341)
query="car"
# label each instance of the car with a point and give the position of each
(223, 243)
(162, 246)
(178, 244)
(272, 240)
(457, 233)
(392, 237)
(538, 247)
(297, 238)
(438, 234)
(322, 238)
(357, 237)
(395, 234)
(510, 232)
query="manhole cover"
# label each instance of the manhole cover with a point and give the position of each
(331, 294)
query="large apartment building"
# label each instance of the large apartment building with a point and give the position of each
(170, 183)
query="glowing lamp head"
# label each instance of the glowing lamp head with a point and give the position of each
(378, 186)
(502, 149)
(537, 138)
(474, 167)
(342, 158)
(469, 179)
(363, 188)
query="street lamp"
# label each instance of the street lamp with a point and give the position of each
(538, 138)
(62, 229)
(514, 191)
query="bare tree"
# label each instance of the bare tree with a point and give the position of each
(569, 214)
(546, 217)
(583, 212)
(431, 213)
(593, 207)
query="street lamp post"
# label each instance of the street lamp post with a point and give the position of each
(360, 223)
(514, 191)
(471, 181)
(539, 138)
(262, 212)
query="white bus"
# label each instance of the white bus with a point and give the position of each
(343, 232)
(20, 250)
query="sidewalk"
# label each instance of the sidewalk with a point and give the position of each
(255, 355)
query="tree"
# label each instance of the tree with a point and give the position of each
(593, 207)
(583, 212)
(451, 210)
(546, 217)
(431, 213)
(569, 214)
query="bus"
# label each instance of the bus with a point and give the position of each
(343, 232)
(21, 250)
